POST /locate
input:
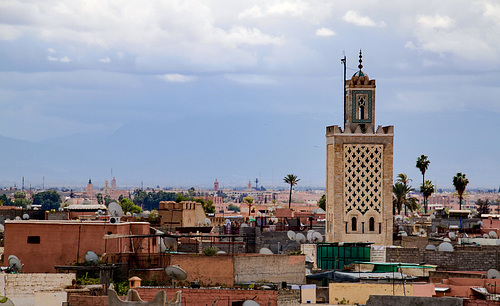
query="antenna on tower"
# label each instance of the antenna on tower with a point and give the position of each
(344, 62)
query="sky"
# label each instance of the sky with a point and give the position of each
(254, 82)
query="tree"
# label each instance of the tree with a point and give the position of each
(482, 207)
(100, 200)
(4, 200)
(21, 200)
(233, 208)
(291, 179)
(423, 164)
(400, 191)
(49, 199)
(460, 182)
(129, 206)
(249, 201)
(427, 189)
(322, 202)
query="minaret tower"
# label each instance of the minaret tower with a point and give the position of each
(359, 169)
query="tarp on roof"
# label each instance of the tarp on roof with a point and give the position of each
(338, 276)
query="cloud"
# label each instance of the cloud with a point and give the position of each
(51, 51)
(311, 11)
(52, 59)
(250, 79)
(178, 78)
(359, 20)
(435, 22)
(324, 32)
(65, 59)
(9, 32)
(105, 60)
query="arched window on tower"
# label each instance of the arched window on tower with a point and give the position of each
(354, 225)
(371, 224)
(361, 108)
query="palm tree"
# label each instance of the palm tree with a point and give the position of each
(423, 165)
(427, 189)
(291, 179)
(249, 201)
(460, 183)
(400, 190)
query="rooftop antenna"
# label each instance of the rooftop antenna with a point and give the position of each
(343, 61)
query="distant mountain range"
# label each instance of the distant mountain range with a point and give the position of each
(189, 152)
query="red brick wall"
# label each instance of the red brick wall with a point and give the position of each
(208, 296)
(85, 300)
(480, 303)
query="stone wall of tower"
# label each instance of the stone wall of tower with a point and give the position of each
(339, 211)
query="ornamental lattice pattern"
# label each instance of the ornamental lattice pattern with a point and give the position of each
(363, 178)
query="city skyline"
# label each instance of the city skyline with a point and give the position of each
(178, 94)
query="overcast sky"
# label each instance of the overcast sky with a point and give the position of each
(92, 67)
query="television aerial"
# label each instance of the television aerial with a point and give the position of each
(493, 234)
(430, 247)
(115, 210)
(291, 235)
(317, 237)
(300, 238)
(91, 257)
(445, 247)
(175, 273)
(398, 218)
(265, 251)
(493, 274)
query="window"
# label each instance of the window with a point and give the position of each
(361, 108)
(33, 239)
(371, 224)
(353, 224)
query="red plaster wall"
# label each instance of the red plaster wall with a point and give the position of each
(208, 296)
(66, 242)
(85, 300)
(208, 269)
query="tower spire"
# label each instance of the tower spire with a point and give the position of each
(360, 60)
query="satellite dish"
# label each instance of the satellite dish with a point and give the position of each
(291, 235)
(452, 235)
(486, 236)
(200, 223)
(15, 264)
(170, 243)
(310, 236)
(422, 232)
(17, 218)
(430, 247)
(300, 238)
(266, 251)
(221, 252)
(433, 216)
(493, 274)
(162, 248)
(100, 212)
(243, 225)
(175, 272)
(227, 221)
(317, 237)
(115, 210)
(26, 217)
(250, 303)
(207, 221)
(401, 228)
(493, 234)
(480, 223)
(128, 213)
(403, 234)
(2, 228)
(398, 218)
(445, 247)
(447, 239)
(91, 257)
